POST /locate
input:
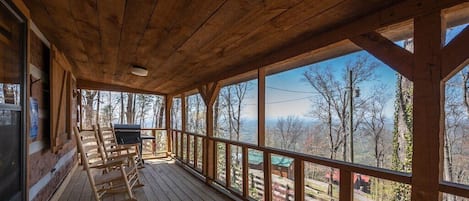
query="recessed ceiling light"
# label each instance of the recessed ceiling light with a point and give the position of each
(139, 70)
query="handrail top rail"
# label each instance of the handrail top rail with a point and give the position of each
(157, 129)
(392, 175)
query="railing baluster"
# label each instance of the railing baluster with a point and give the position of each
(299, 180)
(177, 143)
(204, 140)
(267, 176)
(195, 151)
(188, 145)
(346, 185)
(153, 143)
(182, 146)
(245, 173)
(228, 165)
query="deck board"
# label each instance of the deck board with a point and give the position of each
(163, 179)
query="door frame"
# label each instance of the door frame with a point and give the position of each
(23, 20)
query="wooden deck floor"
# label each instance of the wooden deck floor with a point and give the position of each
(163, 179)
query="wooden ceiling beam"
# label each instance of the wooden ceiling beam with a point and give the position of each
(87, 84)
(455, 53)
(385, 50)
(209, 92)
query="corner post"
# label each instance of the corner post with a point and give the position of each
(428, 111)
(168, 104)
(209, 93)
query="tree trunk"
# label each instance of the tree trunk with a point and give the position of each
(161, 115)
(402, 139)
(197, 113)
(89, 98)
(98, 107)
(121, 117)
(215, 116)
(130, 113)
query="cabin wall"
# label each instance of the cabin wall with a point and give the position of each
(48, 166)
(52, 153)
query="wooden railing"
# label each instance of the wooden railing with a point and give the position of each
(187, 154)
(155, 148)
(346, 169)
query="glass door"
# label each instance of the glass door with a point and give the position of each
(12, 138)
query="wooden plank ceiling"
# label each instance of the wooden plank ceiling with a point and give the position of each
(182, 42)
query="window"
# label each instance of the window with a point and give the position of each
(176, 114)
(456, 140)
(352, 108)
(196, 110)
(235, 112)
(106, 107)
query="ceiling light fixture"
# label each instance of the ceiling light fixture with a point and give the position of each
(139, 70)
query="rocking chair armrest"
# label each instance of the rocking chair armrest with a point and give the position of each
(117, 149)
(127, 146)
(112, 163)
(122, 156)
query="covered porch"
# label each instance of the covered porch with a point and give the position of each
(240, 100)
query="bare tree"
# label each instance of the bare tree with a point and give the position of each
(143, 102)
(89, 98)
(161, 113)
(121, 116)
(403, 129)
(175, 113)
(457, 130)
(130, 112)
(374, 124)
(332, 90)
(374, 127)
(230, 105)
(98, 109)
(290, 130)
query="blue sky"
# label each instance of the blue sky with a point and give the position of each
(287, 94)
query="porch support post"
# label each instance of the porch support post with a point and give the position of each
(428, 111)
(261, 133)
(168, 104)
(261, 106)
(183, 128)
(209, 93)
